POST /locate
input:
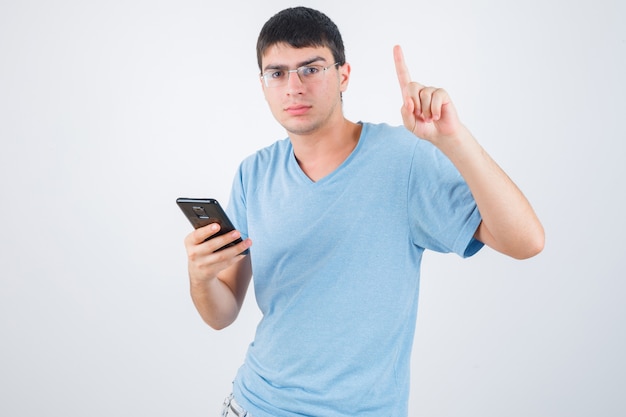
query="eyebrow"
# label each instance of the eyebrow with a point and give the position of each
(301, 64)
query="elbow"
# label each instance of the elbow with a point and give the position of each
(219, 320)
(218, 324)
(520, 244)
(533, 245)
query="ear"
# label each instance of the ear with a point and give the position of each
(344, 76)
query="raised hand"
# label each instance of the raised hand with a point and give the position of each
(428, 112)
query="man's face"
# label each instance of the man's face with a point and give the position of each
(305, 107)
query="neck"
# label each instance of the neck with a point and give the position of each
(321, 152)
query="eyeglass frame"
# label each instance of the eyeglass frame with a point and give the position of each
(268, 73)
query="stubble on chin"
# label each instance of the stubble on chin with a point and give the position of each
(301, 129)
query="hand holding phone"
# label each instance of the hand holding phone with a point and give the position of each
(204, 211)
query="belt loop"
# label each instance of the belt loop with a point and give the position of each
(231, 407)
(226, 405)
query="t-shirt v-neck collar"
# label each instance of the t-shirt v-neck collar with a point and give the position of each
(337, 171)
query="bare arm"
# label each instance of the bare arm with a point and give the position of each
(218, 280)
(509, 223)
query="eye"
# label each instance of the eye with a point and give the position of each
(275, 74)
(310, 70)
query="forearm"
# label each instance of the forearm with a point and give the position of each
(215, 302)
(218, 300)
(509, 225)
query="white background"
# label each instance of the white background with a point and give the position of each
(109, 110)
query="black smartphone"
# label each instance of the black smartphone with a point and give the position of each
(203, 211)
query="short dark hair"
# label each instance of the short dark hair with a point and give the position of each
(301, 27)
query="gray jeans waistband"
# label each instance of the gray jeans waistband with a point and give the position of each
(232, 408)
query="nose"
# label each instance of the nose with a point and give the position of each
(294, 83)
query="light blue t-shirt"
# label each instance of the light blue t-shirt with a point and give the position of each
(336, 269)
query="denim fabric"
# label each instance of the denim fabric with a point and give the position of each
(230, 408)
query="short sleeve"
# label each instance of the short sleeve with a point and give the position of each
(236, 209)
(442, 211)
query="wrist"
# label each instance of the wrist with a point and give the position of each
(458, 143)
(199, 283)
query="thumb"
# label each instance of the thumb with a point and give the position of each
(408, 113)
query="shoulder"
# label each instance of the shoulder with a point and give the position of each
(268, 156)
(395, 141)
(386, 131)
(396, 147)
(389, 137)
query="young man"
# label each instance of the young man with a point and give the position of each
(341, 214)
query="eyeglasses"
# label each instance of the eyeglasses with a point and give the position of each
(308, 74)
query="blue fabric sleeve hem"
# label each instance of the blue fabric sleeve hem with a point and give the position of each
(467, 245)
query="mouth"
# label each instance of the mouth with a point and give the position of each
(297, 109)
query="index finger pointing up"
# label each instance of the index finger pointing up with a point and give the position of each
(404, 78)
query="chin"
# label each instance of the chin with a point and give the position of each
(300, 128)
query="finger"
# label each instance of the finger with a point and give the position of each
(435, 105)
(408, 117)
(240, 248)
(426, 99)
(201, 234)
(402, 71)
(412, 99)
(439, 99)
(410, 89)
(218, 242)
